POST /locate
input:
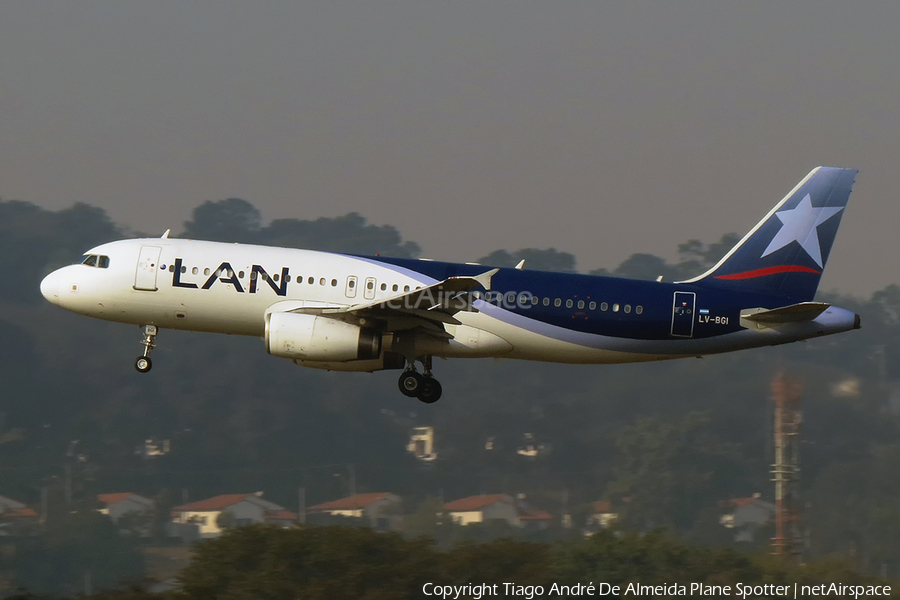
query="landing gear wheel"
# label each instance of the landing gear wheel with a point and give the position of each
(430, 391)
(410, 383)
(143, 364)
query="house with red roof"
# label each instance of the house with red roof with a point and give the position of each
(210, 516)
(120, 504)
(486, 507)
(377, 507)
(15, 517)
(535, 519)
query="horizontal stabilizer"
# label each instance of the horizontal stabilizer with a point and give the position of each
(804, 311)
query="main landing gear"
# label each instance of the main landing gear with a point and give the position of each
(143, 363)
(422, 386)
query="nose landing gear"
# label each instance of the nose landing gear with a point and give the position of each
(143, 363)
(422, 386)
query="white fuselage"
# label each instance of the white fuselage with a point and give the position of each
(230, 288)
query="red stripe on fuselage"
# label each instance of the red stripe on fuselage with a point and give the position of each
(769, 271)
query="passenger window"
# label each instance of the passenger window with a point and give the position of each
(275, 276)
(557, 303)
(569, 303)
(311, 280)
(627, 308)
(184, 270)
(639, 309)
(405, 288)
(322, 281)
(395, 287)
(194, 271)
(546, 302)
(383, 287)
(370, 285)
(351, 284)
(334, 283)
(615, 308)
(240, 274)
(604, 306)
(171, 268)
(206, 271)
(580, 304)
(103, 262)
(253, 275)
(535, 300)
(593, 306)
(287, 278)
(511, 298)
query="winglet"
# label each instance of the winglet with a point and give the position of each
(484, 280)
(166, 234)
(521, 264)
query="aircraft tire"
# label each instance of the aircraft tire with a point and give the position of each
(430, 392)
(410, 383)
(143, 364)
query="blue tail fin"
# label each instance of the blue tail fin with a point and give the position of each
(785, 253)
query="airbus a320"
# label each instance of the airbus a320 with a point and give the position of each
(345, 312)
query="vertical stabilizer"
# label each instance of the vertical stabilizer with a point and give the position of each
(786, 252)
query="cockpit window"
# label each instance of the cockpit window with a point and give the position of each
(96, 260)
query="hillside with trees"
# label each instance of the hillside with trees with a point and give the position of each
(676, 438)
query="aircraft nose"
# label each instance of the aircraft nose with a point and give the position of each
(50, 287)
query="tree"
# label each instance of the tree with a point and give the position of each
(547, 259)
(349, 233)
(670, 470)
(229, 220)
(327, 563)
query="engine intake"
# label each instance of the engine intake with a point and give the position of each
(316, 338)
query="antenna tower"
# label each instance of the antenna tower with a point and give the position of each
(788, 540)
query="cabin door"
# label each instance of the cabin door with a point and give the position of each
(683, 314)
(147, 268)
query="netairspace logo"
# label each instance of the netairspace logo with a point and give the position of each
(739, 590)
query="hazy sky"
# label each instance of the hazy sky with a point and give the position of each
(597, 128)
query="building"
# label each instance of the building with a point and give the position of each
(535, 520)
(121, 504)
(421, 444)
(16, 518)
(479, 509)
(212, 515)
(746, 516)
(378, 508)
(601, 516)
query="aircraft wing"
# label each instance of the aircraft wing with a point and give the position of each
(434, 304)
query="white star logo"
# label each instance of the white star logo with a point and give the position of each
(799, 225)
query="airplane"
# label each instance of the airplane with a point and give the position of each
(346, 312)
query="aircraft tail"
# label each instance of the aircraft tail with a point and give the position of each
(785, 254)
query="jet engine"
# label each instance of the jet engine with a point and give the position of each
(304, 337)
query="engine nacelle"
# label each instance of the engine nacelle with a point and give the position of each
(306, 337)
